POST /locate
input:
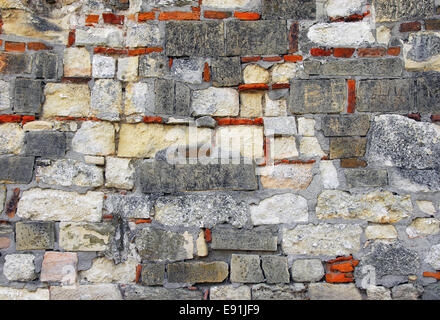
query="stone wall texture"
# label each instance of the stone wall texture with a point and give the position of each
(213, 149)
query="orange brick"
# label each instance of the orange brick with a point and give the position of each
(341, 259)
(154, 49)
(395, 51)
(138, 272)
(15, 46)
(217, 14)
(339, 277)
(351, 95)
(342, 267)
(250, 59)
(36, 46)
(9, 118)
(253, 86)
(144, 16)
(281, 86)
(208, 237)
(371, 52)
(343, 52)
(92, 18)
(112, 18)
(247, 15)
(206, 74)
(272, 59)
(152, 119)
(292, 58)
(179, 15)
(136, 52)
(432, 275)
(71, 38)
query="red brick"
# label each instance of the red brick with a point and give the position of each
(103, 50)
(36, 46)
(394, 51)
(342, 267)
(92, 18)
(232, 122)
(208, 237)
(107, 216)
(292, 58)
(371, 52)
(293, 37)
(435, 118)
(339, 277)
(343, 52)
(145, 16)
(136, 52)
(152, 119)
(351, 105)
(340, 259)
(11, 207)
(250, 59)
(432, 275)
(26, 119)
(432, 24)
(217, 14)
(247, 15)
(415, 116)
(206, 74)
(139, 221)
(138, 273)
(4, 243)
(10, 118)
(170, 64)
(179, 15)
(272, 59)
(253, 86)
(317, 52)
(15, 46)
(281, 86)
(353, 163)
(410, 26)
(112, 18)
(154, 49)
(71, 38)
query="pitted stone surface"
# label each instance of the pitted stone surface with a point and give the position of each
(392, 10)
(197, 272)
(286, 9)
(246, 269)
(263, 291)
(160, 293)
(236, 239)
(83, 236)
(34, 235)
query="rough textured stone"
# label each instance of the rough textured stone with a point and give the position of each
(194, 38)
(416, 180)
(279, 126)
(103, 66)
(105, 270)
(23, 294)
(366, 178)
(310, 147)
(384, 232)
(197, 272)
(275, 269)
(66, 100)
(246, 140)
(160, 245)
(144, 35)
(378, 293)
(95, 138)
(68, 172)
(28, 95)
(433, 257)
(83, 236)
(19, 267)
(106, 99)
(296, 291)
(246, 269)
(405, 292)
(346, 125)
(2, 198)
(128, 68)
(432, 292)
(284, 72)
(393, 136)
(343, 8)
(392, 10)
(77, 62)
(153, 65)
(34, 235)
(230, 4)
(284, 148)
(286, 9)
(153, 274)
(204, 211)
(329, 175)
(218, 102)
(11, 63)
(357, 67)
(139, 99)
(226, 71)
(59, 267)
(317, 96)
(428, 93)
(119, 173)
(104, 291)
(426, 207)
(376, 206)
(45, 144)
(283, 208)
(347, 147)
(255, 37)
(253, 73)
(326, 239)
(46, 65)
(16, 169)
(421, 227)
(152, 293)
(341, 34)
(12, 138)
(188, 70)
(275, 108)
(160, 176)
(307, 270)
(57, 205)
(5, 96)
(289, 176)
(230, 292)
(246, 240)
(327, 291)
(128, 206)
(251, 104)
(387, 95)
(108, 37)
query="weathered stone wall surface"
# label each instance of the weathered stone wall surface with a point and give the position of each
(220, 149)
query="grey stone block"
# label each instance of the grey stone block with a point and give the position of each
(288, 9)
(153, 65)
(416, 180)
(128, 206)
(275, 269)
(393, 10)
(345, 125)
(45, 144)
(256, 37)
(15, 63)
(428, 93)
(153, 274)
(432, 292)
(164, 96)
(239, 239)
(46, 65)
(206, 122)
(359, 67)
(16, 169)
(28, 95)
(197, 272)
(317, 96)
(226, 71)
(366, 178)
(182, 100)
(194, 38)
(246, 269)
(159, 293)
(347, 147)
(34, 235)
(387, 95)
(296, 291)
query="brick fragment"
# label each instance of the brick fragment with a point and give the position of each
(432, 24)
(351, 95)
(292, 58)
(395, 51)
(247, 15)
(343, 52)
(371, 52)
(179, 15)
(339, 278)
(112, 18)
(253, 86)
(410, 26)
(217, 14)
(15, 46)
(11, 207)
(92, 18)
(250, 59)
(36, 46)
(145, 16)
(317, 52)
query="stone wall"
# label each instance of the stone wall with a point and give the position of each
(234, 149)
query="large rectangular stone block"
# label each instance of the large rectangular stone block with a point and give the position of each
(46, 65)
(387, 95)
(45, 144)
(394, 10)
(198, 272)
(428, 93)
(194, 38)
(28, 96)
(11, 63)
(34, 235)
(347, 147)
(226, 71)
(16, 169)
(317, 96)
(83, 236)
(289, 9)
(359, 67)
(240, 239)
(256, 37)
(346, 125)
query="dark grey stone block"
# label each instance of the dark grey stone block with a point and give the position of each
(13, 63)
(387, 95)
(34, 235)
(182, 99)
(28, 95)
(45, 144)
(366, 178)
(275, 269)
(151, 293)
(346, 125)
(317, 96)
(226, 72)
(198, 272)
(153, 65)
(246, 268)
(432, 291)
(394, 10)
(428, 93)
(164, 96)
(16, 169)
(289, 9)
(153, 274)
(46, 65)
(239, 239)
(128, 206)
(194, 38)
(206, 122)
(268, 37)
